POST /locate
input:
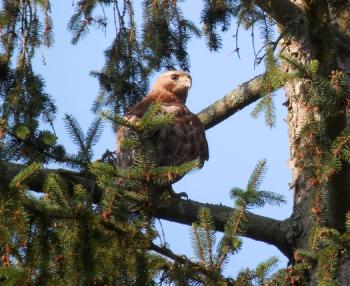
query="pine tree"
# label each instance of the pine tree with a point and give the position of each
(93, 223)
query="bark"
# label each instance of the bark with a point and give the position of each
(310, 45)
(297, 113)
(337, 201)
(282, 11)
(344, 271)
(234, 101)
(9, 170)
(278, 233)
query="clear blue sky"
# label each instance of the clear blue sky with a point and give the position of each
(235, 146)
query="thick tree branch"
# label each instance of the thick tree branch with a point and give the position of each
(282, 11)
(9, 170)
(275, 232)
(234, 101)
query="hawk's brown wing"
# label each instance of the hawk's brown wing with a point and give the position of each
(124, 157)
(181, 141)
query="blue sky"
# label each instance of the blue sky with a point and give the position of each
(235, 146)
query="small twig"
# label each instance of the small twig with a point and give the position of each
(236, 50)
(184, 260)
(104, 18)
(273, 45)
(131, 12)
(115, 17)
(253, 43)
(236, 36)
(179, 258)
(162, 236)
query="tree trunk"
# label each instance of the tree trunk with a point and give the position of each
(297, 114)
(310, 208)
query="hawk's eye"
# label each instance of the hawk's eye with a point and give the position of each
(174, 77)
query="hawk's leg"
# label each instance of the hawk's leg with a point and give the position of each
(180, 195)
(173, 194)
(165, 193)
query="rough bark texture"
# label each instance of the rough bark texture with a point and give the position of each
(234, 101)
(282, 11)
(337, 201)
(278, 233)
(344, 271)
(9, 170)
(297, 113)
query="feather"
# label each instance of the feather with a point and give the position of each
(180, 141)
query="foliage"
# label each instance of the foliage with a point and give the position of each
(48, 230)
(25, 27)
(71, 236)
(325, 258)
(62, 238)
(214, 256)
(134, 54)
(325, 100)
(85, 143)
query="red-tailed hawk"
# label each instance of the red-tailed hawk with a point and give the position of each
(180, 141)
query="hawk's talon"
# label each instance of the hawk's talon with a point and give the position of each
(180, 195)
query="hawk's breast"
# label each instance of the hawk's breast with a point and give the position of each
(181, 141)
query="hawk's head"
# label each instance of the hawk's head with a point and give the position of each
(177, 82)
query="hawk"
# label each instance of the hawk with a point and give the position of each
(180, 141)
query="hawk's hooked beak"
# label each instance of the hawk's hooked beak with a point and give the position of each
(187, 82)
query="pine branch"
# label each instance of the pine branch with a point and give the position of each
(163, 250)
(203, 237)
(262, 273)
(20, 180)
(260, 228)
(183, 260)
(118, 120)
(94, 133)
(54, 187)
(148, 119)
(348, 222)
(36, 183)
(266, 106)
(252, 196)
(13, 276)
(257, 176)
(75, 131)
